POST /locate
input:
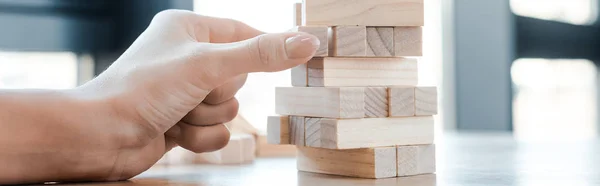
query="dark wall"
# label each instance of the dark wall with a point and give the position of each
(103, 28)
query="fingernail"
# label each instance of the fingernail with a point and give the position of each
(301, 46)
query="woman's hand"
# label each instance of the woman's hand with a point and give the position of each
(174, 86)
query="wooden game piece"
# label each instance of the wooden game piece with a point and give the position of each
(364, 163)
(371, 132)
(321, 32)
(278, 130)
(298, 14)
(363, 12)
(296, 126)
(349, 41)
(332, 102)
(300, 75)
(376, 102)
(380, 41)
(339, 71)
(415, 160)
(401, 101)
(312, 132)
(240, 149)
(408, 41)
(425, 101)
(264, 149)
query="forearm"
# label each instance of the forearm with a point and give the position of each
(44, 137)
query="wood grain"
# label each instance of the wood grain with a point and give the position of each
(331, 102)
(376, 102)
(401, 101)
(349, 41)
(312, 132)
(408, 41)
(363, 12)
(361, 72)
(278, 130)
(364, 163)
(371, 132)
(380, 41)
(426, 101)
(297, 130)
(321, 32)
(415, 160)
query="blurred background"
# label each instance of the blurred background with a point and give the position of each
(522, 66)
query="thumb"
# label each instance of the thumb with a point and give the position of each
(264, 53)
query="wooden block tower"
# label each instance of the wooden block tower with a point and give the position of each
(355, 109)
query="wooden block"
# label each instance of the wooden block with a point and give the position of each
(408, 41)
(342, 72)
(278, 130)
(364, 163)
(264, 149)
(300, 75)
(363, 12)
(415, 160)
(296, 126)
(321, 32)
(312, 132)
(401, 101)
(425, 101)
(298, 14)
(371, 132)
(331, 102)
(376, 102)
(349, 41)
(380, 41)
(240, 149)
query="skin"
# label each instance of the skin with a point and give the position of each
(174, 86)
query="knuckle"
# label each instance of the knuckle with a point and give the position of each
(232, 110)
(258, 53)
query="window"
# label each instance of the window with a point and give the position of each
(579, 12)
(554, 98)
(40, 70)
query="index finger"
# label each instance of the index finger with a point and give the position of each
(221, 30)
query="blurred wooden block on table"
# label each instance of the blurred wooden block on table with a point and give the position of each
(240, 149)
(369, 132)
(265, 149)
(364, 163)
(363, 12)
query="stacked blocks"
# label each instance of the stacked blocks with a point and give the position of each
(355, 109)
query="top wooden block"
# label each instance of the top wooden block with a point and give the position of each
(363, 12)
